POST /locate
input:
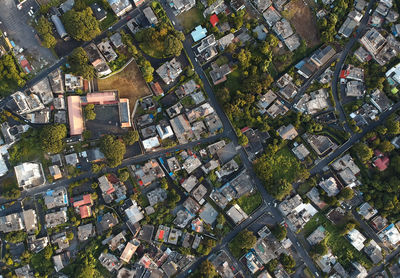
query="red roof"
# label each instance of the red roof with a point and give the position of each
(157, 89)
(214, 20)
(112, 178)
(86, 200)
(382, 163)
(85, 211)
(344, 73)
(161, 235)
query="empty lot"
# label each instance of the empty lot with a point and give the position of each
(302, 18)
(129, 83)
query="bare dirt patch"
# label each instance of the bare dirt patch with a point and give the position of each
(129, 83)
(303, 20)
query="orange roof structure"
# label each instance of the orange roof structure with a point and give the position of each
(86, 200)
(85, 211)
(102, 98)
(75, 115)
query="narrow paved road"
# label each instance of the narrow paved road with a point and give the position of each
(359, 32)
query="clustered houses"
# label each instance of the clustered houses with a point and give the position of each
(189, 118)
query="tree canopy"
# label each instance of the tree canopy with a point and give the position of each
(131, 137)
(10, 76)
(90, 114)
(81, 25)
(45, 31)
(113, 149)
(364, 152)
(207, 270)
(279, 232)
(79, 62)
(52, 138)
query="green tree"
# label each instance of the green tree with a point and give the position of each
(393, 126)
(44, 29)
(244, 58)
(48, 252)
(287, 261)
(363, 152)
(246, 239)
(320, 249)
(113, 149)
(70, 236)
(173, 46)
(386, 146)
(131, 137)
(52, 138)
(79, 62)
(89, 112)
(207, 270)
(123, 176)
(346, 193)
(81, 25)
(279, 232)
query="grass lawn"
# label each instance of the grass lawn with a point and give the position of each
(129, 83)
(234, 80)
(250, 203)
(284, 160)
(190, 19)
(339, 245)
(155, 49)
(108, 21)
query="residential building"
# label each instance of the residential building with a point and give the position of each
(182, 129)
(237, 214)
(106, 221)
(213, 123)
(391, 235)
(116, 40)
(289, 91)
(322, 56)
(374, 252)
(43, 90)
(134, 212)
(150, 16)
(120, 7)
(283, 29)
(287, 132)
(225, 41)
(72, 82)
(82, 205)
(262, 5)
(181, 6)
(109, 261)
(218, 73)
(380, 100)
(367, 211)
(151, 143)
(11, 223)
(86, 231)
(378, 223)
(99, 13)
(96, 59)
(29, 175)
(106, 188)
(198, 33)
(59, 26)
(373, 41)
(347, 27)
(148, 173)
(107, 50)
(237, 5)
(356, 239)
(130, 250)
(215, 8)
(271, 16)
(187, 88)
(321, 144)
(170, 71)
(266, 100)
(300, 151)
(208, 214)
(277, 108)
(53, 219)
(346, 169)
(191, 163)
(292, 42)
(199, 112)
(329, 186)
(56, 198)
(156, 196)
(317, 236)
(61, 260)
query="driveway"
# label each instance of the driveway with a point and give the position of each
(16, 23)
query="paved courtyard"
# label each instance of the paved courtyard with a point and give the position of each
(106, 122)
(16, 23)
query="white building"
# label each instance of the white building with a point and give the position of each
(29, 174)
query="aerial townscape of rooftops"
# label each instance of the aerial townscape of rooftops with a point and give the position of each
(208, 138)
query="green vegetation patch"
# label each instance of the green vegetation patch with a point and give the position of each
(190, 19)
(279, 170)
(335, 240)
(250, 203)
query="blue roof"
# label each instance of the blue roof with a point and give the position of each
(199, 33)
(49, 192)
